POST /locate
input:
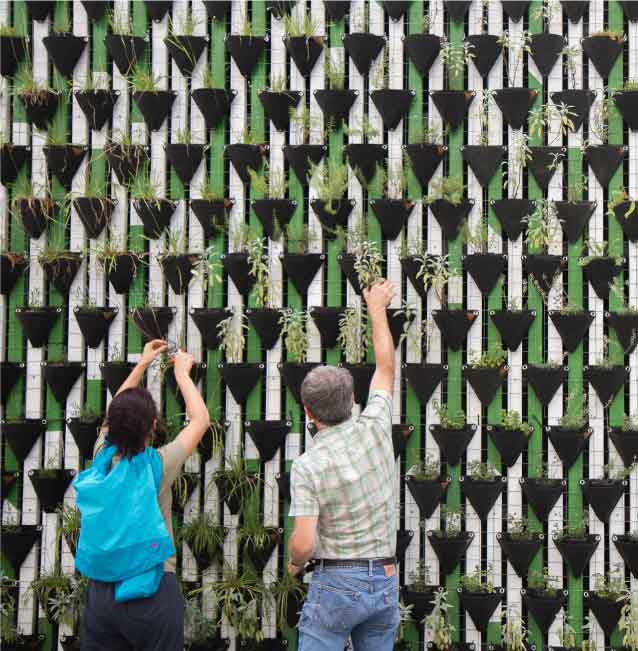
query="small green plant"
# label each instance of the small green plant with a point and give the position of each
(478, 581)
(542, 226)
(232, 338)
(435, 272)
(619, 197)
(419, 579)
(259, 270)
(294, 324)
(365, 130)
(141, 79)
(60, 595)
(427, 469)
(599, 114)
(330, 183)
(284, 590)
(518, 528)
(628, 623)
(447, 188)
(198, 628)
(478, 239)
(480, 471)
(513, 631)
(575, 419)
(455, 57)
(367, 263)
(520, 155)
(294, 26)
(334, 69)
(567, 634)
(438, 628)
(120, 24)
(239, 482)
(576, 528)
(514, 48)
(511, 421)
(544, 583)
(612, 586)
(353, 334)
(69, 525)
(447, 420)
(203, 535)
(629, 423)
(548, 115)
(272, 183)
(493, 357)
(452, 523)
(299, 238)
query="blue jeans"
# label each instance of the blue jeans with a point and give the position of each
(344, 602)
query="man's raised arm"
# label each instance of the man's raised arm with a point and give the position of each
(378, 297)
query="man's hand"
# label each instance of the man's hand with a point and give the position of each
(294, 570)
(183, 362)
(379, 296)
(152, 350)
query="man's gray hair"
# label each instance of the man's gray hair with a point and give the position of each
(327, 392)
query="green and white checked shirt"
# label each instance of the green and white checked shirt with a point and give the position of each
(347, 479)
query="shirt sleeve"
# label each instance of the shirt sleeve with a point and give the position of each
(173, 458)
(378, 413)
(303, 493)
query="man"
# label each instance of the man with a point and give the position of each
(344, 504)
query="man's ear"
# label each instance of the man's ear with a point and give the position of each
(308, 413)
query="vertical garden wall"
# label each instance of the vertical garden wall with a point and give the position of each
(228, 175)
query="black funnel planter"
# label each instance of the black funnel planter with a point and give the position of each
(334, 215)
(572, 327)
(260, 555)
(545, 381)
(241, 378)
(336, 103)
(62, 271)
(245, 157)
(422, 50)
(40, 107)
(482, 495)
(600, 272)
(509, 443)
(50, 486)
(125, 50)
(21, 435)
(157, 9)
(362, 376)
(212, 215)
(604, 161)
(481, 606)
(483, 160)
(34, 214)
(454, 325)
(544, 163)
(603, 51)
(245, 51)
(327, 321)
(485, 269)
(579, 102)
(544, 608)
(427, 493)
(424, 160)
(457, 9)
(17, 542)
(304, 52)
(346, 262)
(573, 217)
(37, 323)
(191, 481)
(625, 325)
(397, 320)
(545, 50)
(12, 266)
(606, 381)
(513, 326)
(301, 269)
(410, 266)
(126, 160)
(575, 9)
(214, 104)
(228, 496)
(155, 215)
(237, 267)
(515, 104)
(544, 268)
(217, 9)
(152, 322)
(363, 49)
(568, 443)
(511, 213)
(300, 157)
(485, 382)
(185, 159)
(451, 216)
(515, 9)
(12, 160)
(336, 9)
(627, 217)
(606, 611)
(628, 548)
(392, 214)
(542, 494)
(266, 324)
(293, 375)
(114, 374)
(97, 106)
(283, 483)
(85, 432)
(577, 552)
(13, 49)
(95, 10)
(424, 379)
(486, 49)
(626, 442)
(185, 51)
(630, 10)
(627, 104)
(520, 552)
(10, 373)
(178, 270)
(404, 538)
(452, 442)
(121, 274)
(207, 319)
(277, 106)
(196, 373)
(154, 106)
(450, 549)
(393, 105)
(452, 105)
(422, 602)
(396, 9)
(65, 51)
(63, 161)
(274, 215)
(94, 323)
(401, 434)
(268, 436)
(94, 213)
(602, 495)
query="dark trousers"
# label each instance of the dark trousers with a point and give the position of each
(153, 624)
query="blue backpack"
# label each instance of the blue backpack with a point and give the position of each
(123, 536)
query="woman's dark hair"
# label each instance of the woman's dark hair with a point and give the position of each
(130, 420)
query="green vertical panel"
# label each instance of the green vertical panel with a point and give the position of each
(98, 49)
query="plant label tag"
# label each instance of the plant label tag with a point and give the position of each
(389, 570)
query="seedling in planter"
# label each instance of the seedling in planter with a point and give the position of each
(521, 155)
(544, 583)
(294, 324)
(367, 263)
(427, 469)
(542, 226)
(69, 528)
(448, 188)
(514, 47)
(484, 107)
(200, 630)
(330, 183)
(618, 198)
(256, 248)
(513, 632)
(629, 423)
(628, 623)
(567, 634)
(419, 579)
(578, 528)
(579, 419)
(437, 626)
(479, 581)
(203, 535)
(353, 336)
(480, 471)
(287, 590)
(599, 118)
(545, 11)
(299, 238)
(455, 56)
(334, 69)
(120, 24)
(518, 528)
(271, 184)
(435, 273)
(294, 26)
(446, 419)
(548, 115)
(612, 586)
(365, 130)
(232, 339)
(60, 595)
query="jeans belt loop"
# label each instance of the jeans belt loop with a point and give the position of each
(370, 568)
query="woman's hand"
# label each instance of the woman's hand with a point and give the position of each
(183, 362)
(152, 350)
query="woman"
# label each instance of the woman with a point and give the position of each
(157, 622)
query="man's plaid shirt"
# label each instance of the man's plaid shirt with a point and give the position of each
(347, 479)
